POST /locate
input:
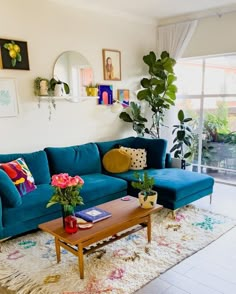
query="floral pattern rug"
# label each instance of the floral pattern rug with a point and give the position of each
(28, 264)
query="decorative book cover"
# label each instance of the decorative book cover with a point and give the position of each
(93, 214)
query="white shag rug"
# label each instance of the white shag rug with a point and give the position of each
(28, 264)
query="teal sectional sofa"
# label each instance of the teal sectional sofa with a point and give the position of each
(18, 214)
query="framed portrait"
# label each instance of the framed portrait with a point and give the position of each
(13, 54)
(123, 97)
(105, 93)
(111, 65)
(8, 98)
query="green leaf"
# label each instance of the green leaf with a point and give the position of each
(126, 117)
(150, 58)
(145, 83)
(165, 54)
(143, 94)
(180, 135)
(67, 88)
(172, 88)
(171, 78)
(13, 62)
(18, 57)
(6, 46)
(181, 115)
(188, 154)
(187, 119)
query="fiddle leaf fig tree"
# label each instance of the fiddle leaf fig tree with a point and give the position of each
(159, 89)
(133, 115)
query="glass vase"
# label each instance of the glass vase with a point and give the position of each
(67, 210)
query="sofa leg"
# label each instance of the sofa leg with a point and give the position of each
(210, 198)
(173, 213)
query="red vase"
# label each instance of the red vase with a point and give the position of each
(71, 224)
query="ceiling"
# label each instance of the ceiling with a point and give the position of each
(154, 10)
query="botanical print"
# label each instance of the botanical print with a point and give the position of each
(13, 54)
(8, 98)
(111, 64)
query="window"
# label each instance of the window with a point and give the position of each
(207, 93)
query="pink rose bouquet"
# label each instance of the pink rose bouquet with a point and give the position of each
(66, 190)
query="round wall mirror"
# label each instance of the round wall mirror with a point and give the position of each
(74, 69)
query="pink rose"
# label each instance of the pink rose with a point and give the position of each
(60, 180)
(74, 181)
(79, 179)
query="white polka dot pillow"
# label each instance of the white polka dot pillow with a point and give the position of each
(138, 157)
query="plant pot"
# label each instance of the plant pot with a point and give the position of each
(92, 91)
(59, 90)
(147, 201)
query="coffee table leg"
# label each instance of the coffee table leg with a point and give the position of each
(58, 250)
(81, 261)
(149, 229)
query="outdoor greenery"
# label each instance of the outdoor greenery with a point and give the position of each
(159, 89)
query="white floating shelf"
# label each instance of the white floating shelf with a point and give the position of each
(68, 98)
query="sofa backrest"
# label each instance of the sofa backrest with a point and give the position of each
(74, 160)
(156, 149)
(37, 163)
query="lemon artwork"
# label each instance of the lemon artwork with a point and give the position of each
(14, 52)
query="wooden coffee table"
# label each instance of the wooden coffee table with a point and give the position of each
(125, 215)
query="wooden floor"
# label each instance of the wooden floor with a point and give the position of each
(211, 270)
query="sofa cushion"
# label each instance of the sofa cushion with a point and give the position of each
(156, 151)
(19, 173)
(33, 206)
(37, 163)
(8, 192)
(104, 147)
(138, 157)
(116, 161)
(74, 160)
(98, 185)
(174, 183)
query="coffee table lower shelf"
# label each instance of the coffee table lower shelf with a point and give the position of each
(80, 249)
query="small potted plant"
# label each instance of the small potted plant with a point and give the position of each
(41, 86)
(58, 88)
(147, 196)
(92, 90)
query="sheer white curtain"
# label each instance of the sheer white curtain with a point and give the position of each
(174, 39)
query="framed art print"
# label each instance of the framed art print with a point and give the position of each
(8, 98)
(13, 54)
(105, 93)
(123, 97)
(111, 64)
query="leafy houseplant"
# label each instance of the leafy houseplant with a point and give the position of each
(159, 89)
(183, 138)
(63, 87)
(66, 192)
(133, 115)
(147, 197)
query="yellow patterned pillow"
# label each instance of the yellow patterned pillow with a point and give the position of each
(116, 161)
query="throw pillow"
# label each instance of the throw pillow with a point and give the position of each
(9, 194)
(19, 173)
(138, 157)
(116, 161)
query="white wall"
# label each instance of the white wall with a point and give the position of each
(50, 30)
(214, 35)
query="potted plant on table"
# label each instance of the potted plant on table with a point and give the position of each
(58, 88)
(147, 196)
(67, 193)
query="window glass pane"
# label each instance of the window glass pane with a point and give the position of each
(220, 75)
(189, 76)
(220, 133)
